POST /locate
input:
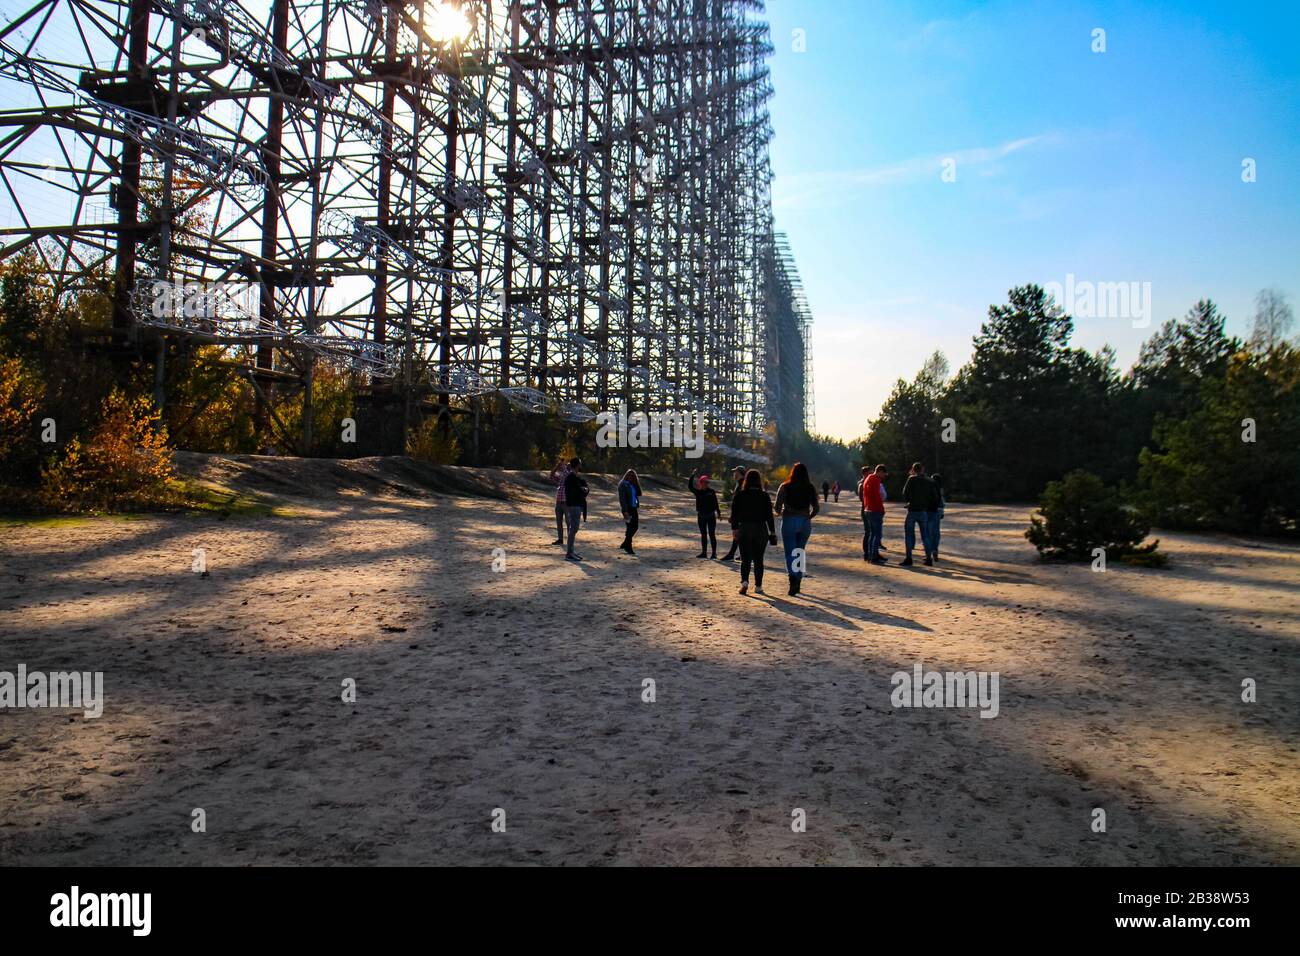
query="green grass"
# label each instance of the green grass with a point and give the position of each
(225, 503)
(1146, 559)
(42, 521)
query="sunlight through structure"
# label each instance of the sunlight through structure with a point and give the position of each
(566, 200)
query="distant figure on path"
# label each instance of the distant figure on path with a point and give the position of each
(575, 504)
(707, 513)
(937, 518)
(558, 474)
(835, 491)
(629, 501)
(873, 513)
(753, 528)
(826, 489)
(922, 500)
(796, 503)
(738, 477)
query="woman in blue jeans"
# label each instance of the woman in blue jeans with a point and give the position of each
(796, 503)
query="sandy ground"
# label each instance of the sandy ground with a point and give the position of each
(522, 690)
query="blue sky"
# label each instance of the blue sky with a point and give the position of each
(1121, 166)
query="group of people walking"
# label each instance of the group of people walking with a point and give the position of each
(753, 515)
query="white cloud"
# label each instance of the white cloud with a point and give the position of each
(944, 31)
(802, 190)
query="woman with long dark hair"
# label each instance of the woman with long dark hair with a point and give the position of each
(753, 528)
(629, 501)
(796, 503)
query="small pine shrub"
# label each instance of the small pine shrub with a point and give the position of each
(1079, 514)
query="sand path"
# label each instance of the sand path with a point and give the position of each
(522, 690)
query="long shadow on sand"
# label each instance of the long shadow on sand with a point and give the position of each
(491, 698)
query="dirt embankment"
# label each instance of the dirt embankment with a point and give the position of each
(276, 478)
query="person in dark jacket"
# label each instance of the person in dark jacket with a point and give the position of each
(826, 489)
(629, 501)
(922, 499)
(575, 504)
(936, 519)
(707, 512)
(796, 503)
(738, 477)
(753, 528)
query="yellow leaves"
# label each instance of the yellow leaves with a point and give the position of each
(124, 463)
(429, 444)
(20, 393)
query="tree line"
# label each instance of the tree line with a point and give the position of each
(1202, 432)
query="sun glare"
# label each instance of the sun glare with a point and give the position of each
(446, 22)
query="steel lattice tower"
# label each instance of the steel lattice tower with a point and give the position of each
(562, 202)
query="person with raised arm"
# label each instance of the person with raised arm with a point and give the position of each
(707, 512)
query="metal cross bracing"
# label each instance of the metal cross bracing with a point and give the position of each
(789, 355)
(566, 202)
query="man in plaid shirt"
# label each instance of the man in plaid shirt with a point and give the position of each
(558, 474)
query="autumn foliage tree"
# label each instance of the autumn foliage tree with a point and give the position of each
(123, 464)
(20, 397)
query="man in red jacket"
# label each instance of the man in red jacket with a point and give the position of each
(873, 513)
